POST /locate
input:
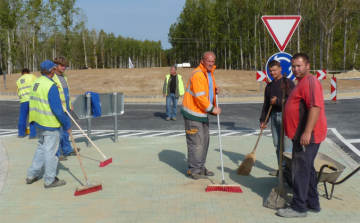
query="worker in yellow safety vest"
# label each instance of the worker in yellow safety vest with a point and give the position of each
(63, 86)
(47, 114)
(23, 90)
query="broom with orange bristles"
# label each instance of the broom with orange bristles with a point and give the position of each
(248, 163)
(89, 188)
(103, 163)
(234, 188)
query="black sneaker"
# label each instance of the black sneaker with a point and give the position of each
(56, 183)
(30, 181)
(207, 173)
(197, 176)
(314, 210)
(73, 153)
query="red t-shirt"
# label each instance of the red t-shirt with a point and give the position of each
(306, 94)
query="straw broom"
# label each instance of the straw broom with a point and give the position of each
(248, 163)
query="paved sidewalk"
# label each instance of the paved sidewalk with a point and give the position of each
(147, 182)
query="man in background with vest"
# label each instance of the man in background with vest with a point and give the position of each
(199, 101)
(23, 90)
(62, 83)
(48, 116)
(173, 89)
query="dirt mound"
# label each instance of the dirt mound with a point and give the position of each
(149, 81)
(351, 73)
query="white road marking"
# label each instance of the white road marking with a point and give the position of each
(346, 142)
(353, 140)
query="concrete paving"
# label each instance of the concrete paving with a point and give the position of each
(147, 182)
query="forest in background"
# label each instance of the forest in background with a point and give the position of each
(35, 30)
(329, 32)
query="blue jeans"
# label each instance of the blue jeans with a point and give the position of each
(276, 133)
(64, 143)
(45, 155)
(174, 100)
(24, 111)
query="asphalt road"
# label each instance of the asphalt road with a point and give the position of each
(344, 117)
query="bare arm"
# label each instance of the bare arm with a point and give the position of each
(310, 124)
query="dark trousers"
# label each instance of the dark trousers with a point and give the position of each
(197, 138)
(304, 177)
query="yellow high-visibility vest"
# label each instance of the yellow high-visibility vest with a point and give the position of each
(61, 90)
(24, 86)
(39, 106)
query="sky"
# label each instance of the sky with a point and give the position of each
(138, 19)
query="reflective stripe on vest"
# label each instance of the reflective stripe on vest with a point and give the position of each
(39, 107)
(197, 114)
(24, 86)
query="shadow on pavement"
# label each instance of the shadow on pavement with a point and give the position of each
(175, 159)
(237, 158)
(160, 115)
(231, 126)
(62, 167)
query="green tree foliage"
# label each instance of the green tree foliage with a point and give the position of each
(35, 30)
(233, 30)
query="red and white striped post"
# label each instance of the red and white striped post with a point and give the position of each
(333, 89)
(261, 76)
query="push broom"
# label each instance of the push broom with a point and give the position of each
(277, 197)
(248, 163)
(103, 163)
(89, 188)
(222, 187)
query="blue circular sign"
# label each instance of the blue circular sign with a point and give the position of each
(285, 62)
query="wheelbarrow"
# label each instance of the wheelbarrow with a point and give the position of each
(328, 171)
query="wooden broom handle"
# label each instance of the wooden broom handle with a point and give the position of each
(266, 119)
(78, 156)
(83, 132)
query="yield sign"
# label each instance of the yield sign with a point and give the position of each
(281, 28)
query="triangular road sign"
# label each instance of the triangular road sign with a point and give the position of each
(281, 28)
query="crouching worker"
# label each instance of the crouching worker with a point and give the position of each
(48, 116)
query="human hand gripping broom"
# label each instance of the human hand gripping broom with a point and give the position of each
(89, 188)
(277, 197)
(246, 166)
(222, 187)
(103, 163)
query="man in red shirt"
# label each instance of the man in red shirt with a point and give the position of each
(305, 124)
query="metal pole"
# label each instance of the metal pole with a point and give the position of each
(88, 114)
(261, 86)
(115, 116)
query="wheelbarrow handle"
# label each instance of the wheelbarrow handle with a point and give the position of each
(322, 169)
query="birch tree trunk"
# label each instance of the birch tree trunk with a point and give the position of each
(9, 62)
(86, 64)
(344, 59)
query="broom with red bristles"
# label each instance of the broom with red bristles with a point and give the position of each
(89, 188)
(234, 188)
(103, 163)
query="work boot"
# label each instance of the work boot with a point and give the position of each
(33, 137)
(62, 158)
(73, 153)
(167, 119)
(174, 119)
(30, 181)
(56, 183)
(21, 136)
(207, 173)
(290, 213)
(313, 210)
(197, 176)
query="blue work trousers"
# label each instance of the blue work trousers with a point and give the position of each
(65, 143)
(276, 133)
(304, 177)
(45, 155)
(24, 111)
(172, 98)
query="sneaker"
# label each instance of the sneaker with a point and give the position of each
(30, 181)
(21, 136)
(197, 176)
(174, 119)
(167, 119)
(56, 183)
(290, 213)
(207, 173)
(73, 153)
(314, 210)
(33, 137)
(62, 158)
